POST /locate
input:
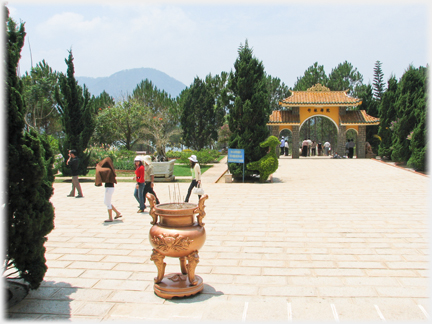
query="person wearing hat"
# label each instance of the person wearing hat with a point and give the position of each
(149, 178)
(196, 176)
(105, 173)
(139, 187)
(73, 163)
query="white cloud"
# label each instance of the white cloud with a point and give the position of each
(68, 22)
(163, 20)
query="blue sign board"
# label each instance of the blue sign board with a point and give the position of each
(236, 155)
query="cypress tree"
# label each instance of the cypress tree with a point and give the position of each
(77, 116)
(387, 114)
(418, 137)
(30, 214)
(198, 119)
(410, 109)
(249, 108)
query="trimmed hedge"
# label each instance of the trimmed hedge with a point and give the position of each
(204, 156)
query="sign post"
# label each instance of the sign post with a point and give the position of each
(236, 156)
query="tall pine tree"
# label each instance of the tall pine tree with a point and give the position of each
(387, 114)
(365, 92)
(313, 75)
(30, 214)
(77, 112)
(161, 120)
(344, 77)
(249, 108)
(378, 82)
(277, 91)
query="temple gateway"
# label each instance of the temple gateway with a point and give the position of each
(321, 101)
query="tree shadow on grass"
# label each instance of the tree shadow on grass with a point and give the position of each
(50, 301)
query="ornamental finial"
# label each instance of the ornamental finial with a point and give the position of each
(318, 87)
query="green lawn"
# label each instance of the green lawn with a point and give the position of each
(181, 170)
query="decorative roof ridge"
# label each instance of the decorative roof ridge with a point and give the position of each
(318, 87)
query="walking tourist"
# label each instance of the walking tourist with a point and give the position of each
(282, 146)
(149, 179)
(309, 147)
(314, 145)
(105, 173)
(286, 147)
(304, 147)
(139, 187)
(319, 149)
(196, 176)
(73, 163)
(327, 148)
(351, 145)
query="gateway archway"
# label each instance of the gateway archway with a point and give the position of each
(319, 129)
(320, 101)
(351, 134)
(286, 134)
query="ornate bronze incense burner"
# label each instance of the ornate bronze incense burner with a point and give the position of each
(177, 235)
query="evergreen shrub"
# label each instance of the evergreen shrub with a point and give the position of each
(173, 154)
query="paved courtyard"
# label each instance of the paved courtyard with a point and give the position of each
(328, 240)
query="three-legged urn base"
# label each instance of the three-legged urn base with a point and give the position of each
(177, 235)
(177, 285)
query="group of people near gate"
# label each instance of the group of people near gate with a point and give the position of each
(144, 177)
(312, 148)
(284, 146)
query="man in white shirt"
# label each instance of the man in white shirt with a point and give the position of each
(326, 148)
(309, 146)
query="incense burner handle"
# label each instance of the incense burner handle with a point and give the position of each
(200, 210)
(152, 201)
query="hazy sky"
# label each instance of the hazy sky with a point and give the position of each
(186, 39)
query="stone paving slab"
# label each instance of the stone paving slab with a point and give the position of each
(326, 240)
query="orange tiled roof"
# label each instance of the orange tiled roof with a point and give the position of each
(357, 117)
(353, 117)
(285, 117)
(302, 98)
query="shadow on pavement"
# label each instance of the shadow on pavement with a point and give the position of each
(50, 301)
(207, 293)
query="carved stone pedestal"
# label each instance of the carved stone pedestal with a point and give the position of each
(177, 285)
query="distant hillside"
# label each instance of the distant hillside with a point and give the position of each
(124, 82)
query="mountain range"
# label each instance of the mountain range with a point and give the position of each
(124, 82)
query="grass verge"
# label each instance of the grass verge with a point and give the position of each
(180, 170)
